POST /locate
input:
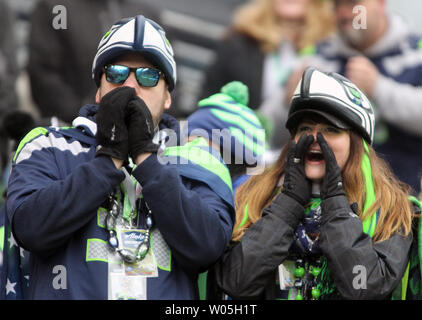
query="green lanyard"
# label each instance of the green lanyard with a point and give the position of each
(129, 199)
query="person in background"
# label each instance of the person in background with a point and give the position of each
(267, 40)
(234, 131)
(327, 205)
(377, 51)
(232, 128)
(116, 207)
(8, 75)
(61, 46)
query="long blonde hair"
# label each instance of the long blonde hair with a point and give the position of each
(258, 20)
(395, 214)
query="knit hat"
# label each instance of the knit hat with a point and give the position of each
(226, 120)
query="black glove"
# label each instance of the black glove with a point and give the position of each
(332, 184)
(140, 128)
(112, 133)
(296, 185)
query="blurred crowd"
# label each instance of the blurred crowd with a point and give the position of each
(45, 70)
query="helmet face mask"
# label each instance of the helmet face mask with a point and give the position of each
(334, 97)
(141, 35)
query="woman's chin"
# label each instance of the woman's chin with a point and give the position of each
(315, 173)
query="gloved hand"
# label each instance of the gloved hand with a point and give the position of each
(112, 133)
(140, 128)
(332, 184)
(296, 185)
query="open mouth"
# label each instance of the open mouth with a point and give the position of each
(314, 156)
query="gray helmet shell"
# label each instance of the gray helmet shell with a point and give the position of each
(332, 94)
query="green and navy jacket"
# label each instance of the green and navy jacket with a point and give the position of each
(56, 190)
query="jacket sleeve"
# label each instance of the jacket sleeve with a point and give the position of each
(399, 104)
(195, 222)
(46, 207)
(244, 269)
(360, 268)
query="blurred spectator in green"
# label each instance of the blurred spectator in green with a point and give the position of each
(267, 40)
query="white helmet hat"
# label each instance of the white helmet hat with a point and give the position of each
(136, 34)
(335, 98)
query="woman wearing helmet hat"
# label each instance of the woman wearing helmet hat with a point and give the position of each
(328, 219)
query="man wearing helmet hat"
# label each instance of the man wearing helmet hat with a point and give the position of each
(383, 57)
(120, 213)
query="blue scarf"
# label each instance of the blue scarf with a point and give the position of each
(307, 233)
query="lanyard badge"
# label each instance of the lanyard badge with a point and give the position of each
(130, 259)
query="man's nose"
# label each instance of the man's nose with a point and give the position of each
(131, 81)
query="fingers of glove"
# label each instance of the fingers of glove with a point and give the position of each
(138, 114)
(110, 115)
(112, 134)
(119, 152)
(327, 153)
(118, 98)
(135, 107)
(303, 145)
(291, 152)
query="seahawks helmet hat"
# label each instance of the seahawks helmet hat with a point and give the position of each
(336, 99)
(136, 34)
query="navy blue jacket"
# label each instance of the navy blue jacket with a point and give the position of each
(56, 187)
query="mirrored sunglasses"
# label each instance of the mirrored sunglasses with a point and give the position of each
(146, 77)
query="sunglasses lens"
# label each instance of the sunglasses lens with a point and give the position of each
(147, 77)
(117, 74)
